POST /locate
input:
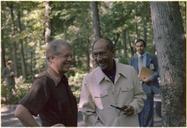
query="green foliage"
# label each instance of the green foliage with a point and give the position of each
(120, 21)
(76, 83)
(21, 90)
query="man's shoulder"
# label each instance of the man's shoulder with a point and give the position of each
(92, 72)
(41, 76)
(124, 67)
(150, 54)
(135, 56)
(42, 80)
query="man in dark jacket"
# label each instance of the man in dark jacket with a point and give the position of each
(9, 79)
(150, 84)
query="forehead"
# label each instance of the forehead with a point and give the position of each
(101, 44)
(65, 49)
(140, 43)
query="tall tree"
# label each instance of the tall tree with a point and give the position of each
(170, 45)
(47, 21)
(96, 27)
(145, 28)
(96, 22)
(13, 34)
(3, 61)
(22, 54)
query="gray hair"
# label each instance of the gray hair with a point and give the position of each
(54, 47)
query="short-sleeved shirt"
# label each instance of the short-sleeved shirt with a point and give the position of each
(52, 99)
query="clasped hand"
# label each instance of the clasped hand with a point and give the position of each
(128, 110)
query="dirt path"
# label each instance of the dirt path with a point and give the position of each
(9, 120)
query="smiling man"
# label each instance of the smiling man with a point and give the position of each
(111, 94)
(50, 95)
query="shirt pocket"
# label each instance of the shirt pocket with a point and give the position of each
(125, 95)
(125, 89)
(99, 98)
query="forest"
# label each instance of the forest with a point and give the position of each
(26, 28)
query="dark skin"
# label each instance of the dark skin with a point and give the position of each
(128, 110)
(103, 56)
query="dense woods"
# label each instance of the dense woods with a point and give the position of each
(26, 27)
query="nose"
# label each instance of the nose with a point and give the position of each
(99, 59)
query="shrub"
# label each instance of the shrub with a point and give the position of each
(75, 83)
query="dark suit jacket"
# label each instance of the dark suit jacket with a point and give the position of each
(151, 63)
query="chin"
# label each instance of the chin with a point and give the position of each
(103, 67)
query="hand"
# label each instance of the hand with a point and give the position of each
(128, 110)
(146, 80)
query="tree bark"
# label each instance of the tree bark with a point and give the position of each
(170, 44)
(47, 22)
(145, 28)
(22, 54)
(96, 28)
(136, 24)
(88, 55)
(3, 61)
(96, 22)
(124, 37)
(130, 44)
(14, 46)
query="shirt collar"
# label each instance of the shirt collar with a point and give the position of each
(100, 76)
(121, 70)
(140, 54)
(54, 76)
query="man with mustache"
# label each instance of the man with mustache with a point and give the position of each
(111, 94)
(50, 95)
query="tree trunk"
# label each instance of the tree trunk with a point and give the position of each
(130, 44)
(96, 28)
(95, 17)
(31, 63)
(14, 46)
(124, 37)
(3, 61)
(170, 45)
(47, 22)
(88, 56)
(23, 64)
(145, 28)
(136, 25)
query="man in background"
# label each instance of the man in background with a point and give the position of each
(9, 79)
(150, 84)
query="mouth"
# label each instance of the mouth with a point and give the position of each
(67, 65)
(102, 65)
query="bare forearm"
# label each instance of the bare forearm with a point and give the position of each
(29, 121)
(25, 116)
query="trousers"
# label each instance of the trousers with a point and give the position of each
(146, 115)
